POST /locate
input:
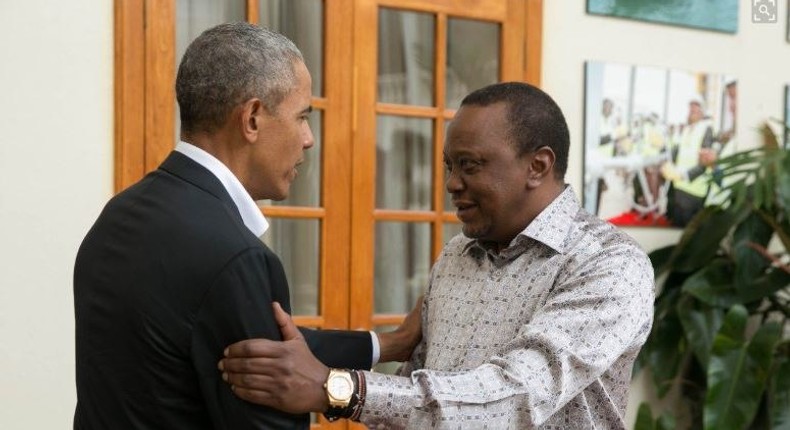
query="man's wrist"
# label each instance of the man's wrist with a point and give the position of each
(356, 402)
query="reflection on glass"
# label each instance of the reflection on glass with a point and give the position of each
(450, 230)
(302, 21)
(472, 57)
(402, 265)
(404, 160)
(406, 57)
(296, 242)
(391, 367)
(194, 17)
(306, 188)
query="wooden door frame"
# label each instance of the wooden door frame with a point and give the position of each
(521, 55)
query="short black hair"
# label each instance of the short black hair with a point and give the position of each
(535, 119)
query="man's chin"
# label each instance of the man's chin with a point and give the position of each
(275, 196)
(471, 232)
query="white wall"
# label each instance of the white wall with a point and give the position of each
(56, 155)
(758, 56)
(56, 112)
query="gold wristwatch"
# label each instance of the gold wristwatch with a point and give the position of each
(339, 388)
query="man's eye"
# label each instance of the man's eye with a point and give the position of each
(467, 164)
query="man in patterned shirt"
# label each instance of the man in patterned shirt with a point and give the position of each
(533, 317)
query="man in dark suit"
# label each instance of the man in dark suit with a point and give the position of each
(173, 270)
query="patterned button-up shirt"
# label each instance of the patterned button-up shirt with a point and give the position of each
(540, 335)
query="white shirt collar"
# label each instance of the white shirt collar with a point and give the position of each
(250, 212)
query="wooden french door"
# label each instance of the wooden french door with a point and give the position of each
(368, 216)
(415, 60)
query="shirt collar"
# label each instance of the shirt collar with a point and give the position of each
(552, 224)
(251, 214)
(550, 227)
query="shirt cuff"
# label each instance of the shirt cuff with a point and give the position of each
(376, 352)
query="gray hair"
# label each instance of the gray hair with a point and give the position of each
(229, 64)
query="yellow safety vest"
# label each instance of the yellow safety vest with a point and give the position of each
(688, 157)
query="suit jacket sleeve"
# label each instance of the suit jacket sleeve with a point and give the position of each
(238, 306)
(342, 349)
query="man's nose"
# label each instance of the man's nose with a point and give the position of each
(309, 139)
(454, 183)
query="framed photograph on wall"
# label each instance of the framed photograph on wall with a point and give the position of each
(651, 139)
(716, 15)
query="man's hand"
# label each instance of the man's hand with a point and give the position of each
(397, 345)
(707, 157)
(283, 375)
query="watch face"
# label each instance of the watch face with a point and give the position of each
(340, 388)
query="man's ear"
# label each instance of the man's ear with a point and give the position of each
(541, 166)
(251, 118)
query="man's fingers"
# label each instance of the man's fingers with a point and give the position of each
(257, 382)
(254, 348)
(416, 311)
(259, 365)
(287, 326)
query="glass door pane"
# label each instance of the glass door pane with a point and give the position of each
(297, 244)
(404, 162)
(402, 265)
(472, 57)
(302, 21)
(406, 57)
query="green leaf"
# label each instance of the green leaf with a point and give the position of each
(737, 372)
(644, 418)
(666, 422)
(770, 141)
(665, 352)
(700, 326)
(664, 310)
(660, 258)
(701, 238)
(779, 395)
(713, 284)
(759, 193)
(765, 286)
(761, 348)
(783, 183)
(744, 195)
(748, 262)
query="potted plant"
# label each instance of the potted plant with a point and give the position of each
(721, 328)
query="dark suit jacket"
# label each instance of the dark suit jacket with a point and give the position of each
(167, 277)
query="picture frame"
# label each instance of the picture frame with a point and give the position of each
(651, 136)
(714, 15)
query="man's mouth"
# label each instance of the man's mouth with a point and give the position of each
(296, 168)
(464, 208)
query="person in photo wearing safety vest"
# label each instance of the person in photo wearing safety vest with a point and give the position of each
(690, 168)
